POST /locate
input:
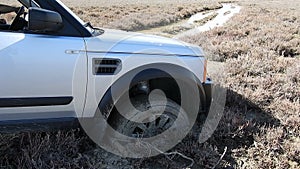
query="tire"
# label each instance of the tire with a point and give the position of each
(161, 116)
(155, 123)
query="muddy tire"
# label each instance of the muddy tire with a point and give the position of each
(159, 125)
(159, 116)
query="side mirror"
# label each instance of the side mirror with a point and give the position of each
(44, 20)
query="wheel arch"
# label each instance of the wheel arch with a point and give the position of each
(156, 75)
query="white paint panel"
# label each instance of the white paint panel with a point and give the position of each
(38, 66)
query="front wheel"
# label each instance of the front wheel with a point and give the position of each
(148, 127)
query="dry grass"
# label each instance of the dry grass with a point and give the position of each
(142, 16)
(206, 19)
(261, 48)
(63, 149)
(261, 125)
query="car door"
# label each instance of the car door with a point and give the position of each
(41, 76)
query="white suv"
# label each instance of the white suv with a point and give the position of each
(55, 69)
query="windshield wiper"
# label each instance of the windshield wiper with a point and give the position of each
(99, 31)
(88, 24)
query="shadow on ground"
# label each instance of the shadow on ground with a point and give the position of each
(241, 122)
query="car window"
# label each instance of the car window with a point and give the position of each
(9, 18)
(75, 16)
(8, 11)
(14, 18)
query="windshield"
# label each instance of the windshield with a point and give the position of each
(75, 16)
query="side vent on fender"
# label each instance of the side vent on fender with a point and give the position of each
(106, 66)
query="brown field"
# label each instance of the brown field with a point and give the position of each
(260, 49)
(134, 17)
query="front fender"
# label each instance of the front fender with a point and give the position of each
(150, 72)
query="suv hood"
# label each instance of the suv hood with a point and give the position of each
(115, 41)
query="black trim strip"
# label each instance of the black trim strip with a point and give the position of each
(36, 125)
(34, 101)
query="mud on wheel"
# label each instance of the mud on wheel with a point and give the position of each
(152, 117)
